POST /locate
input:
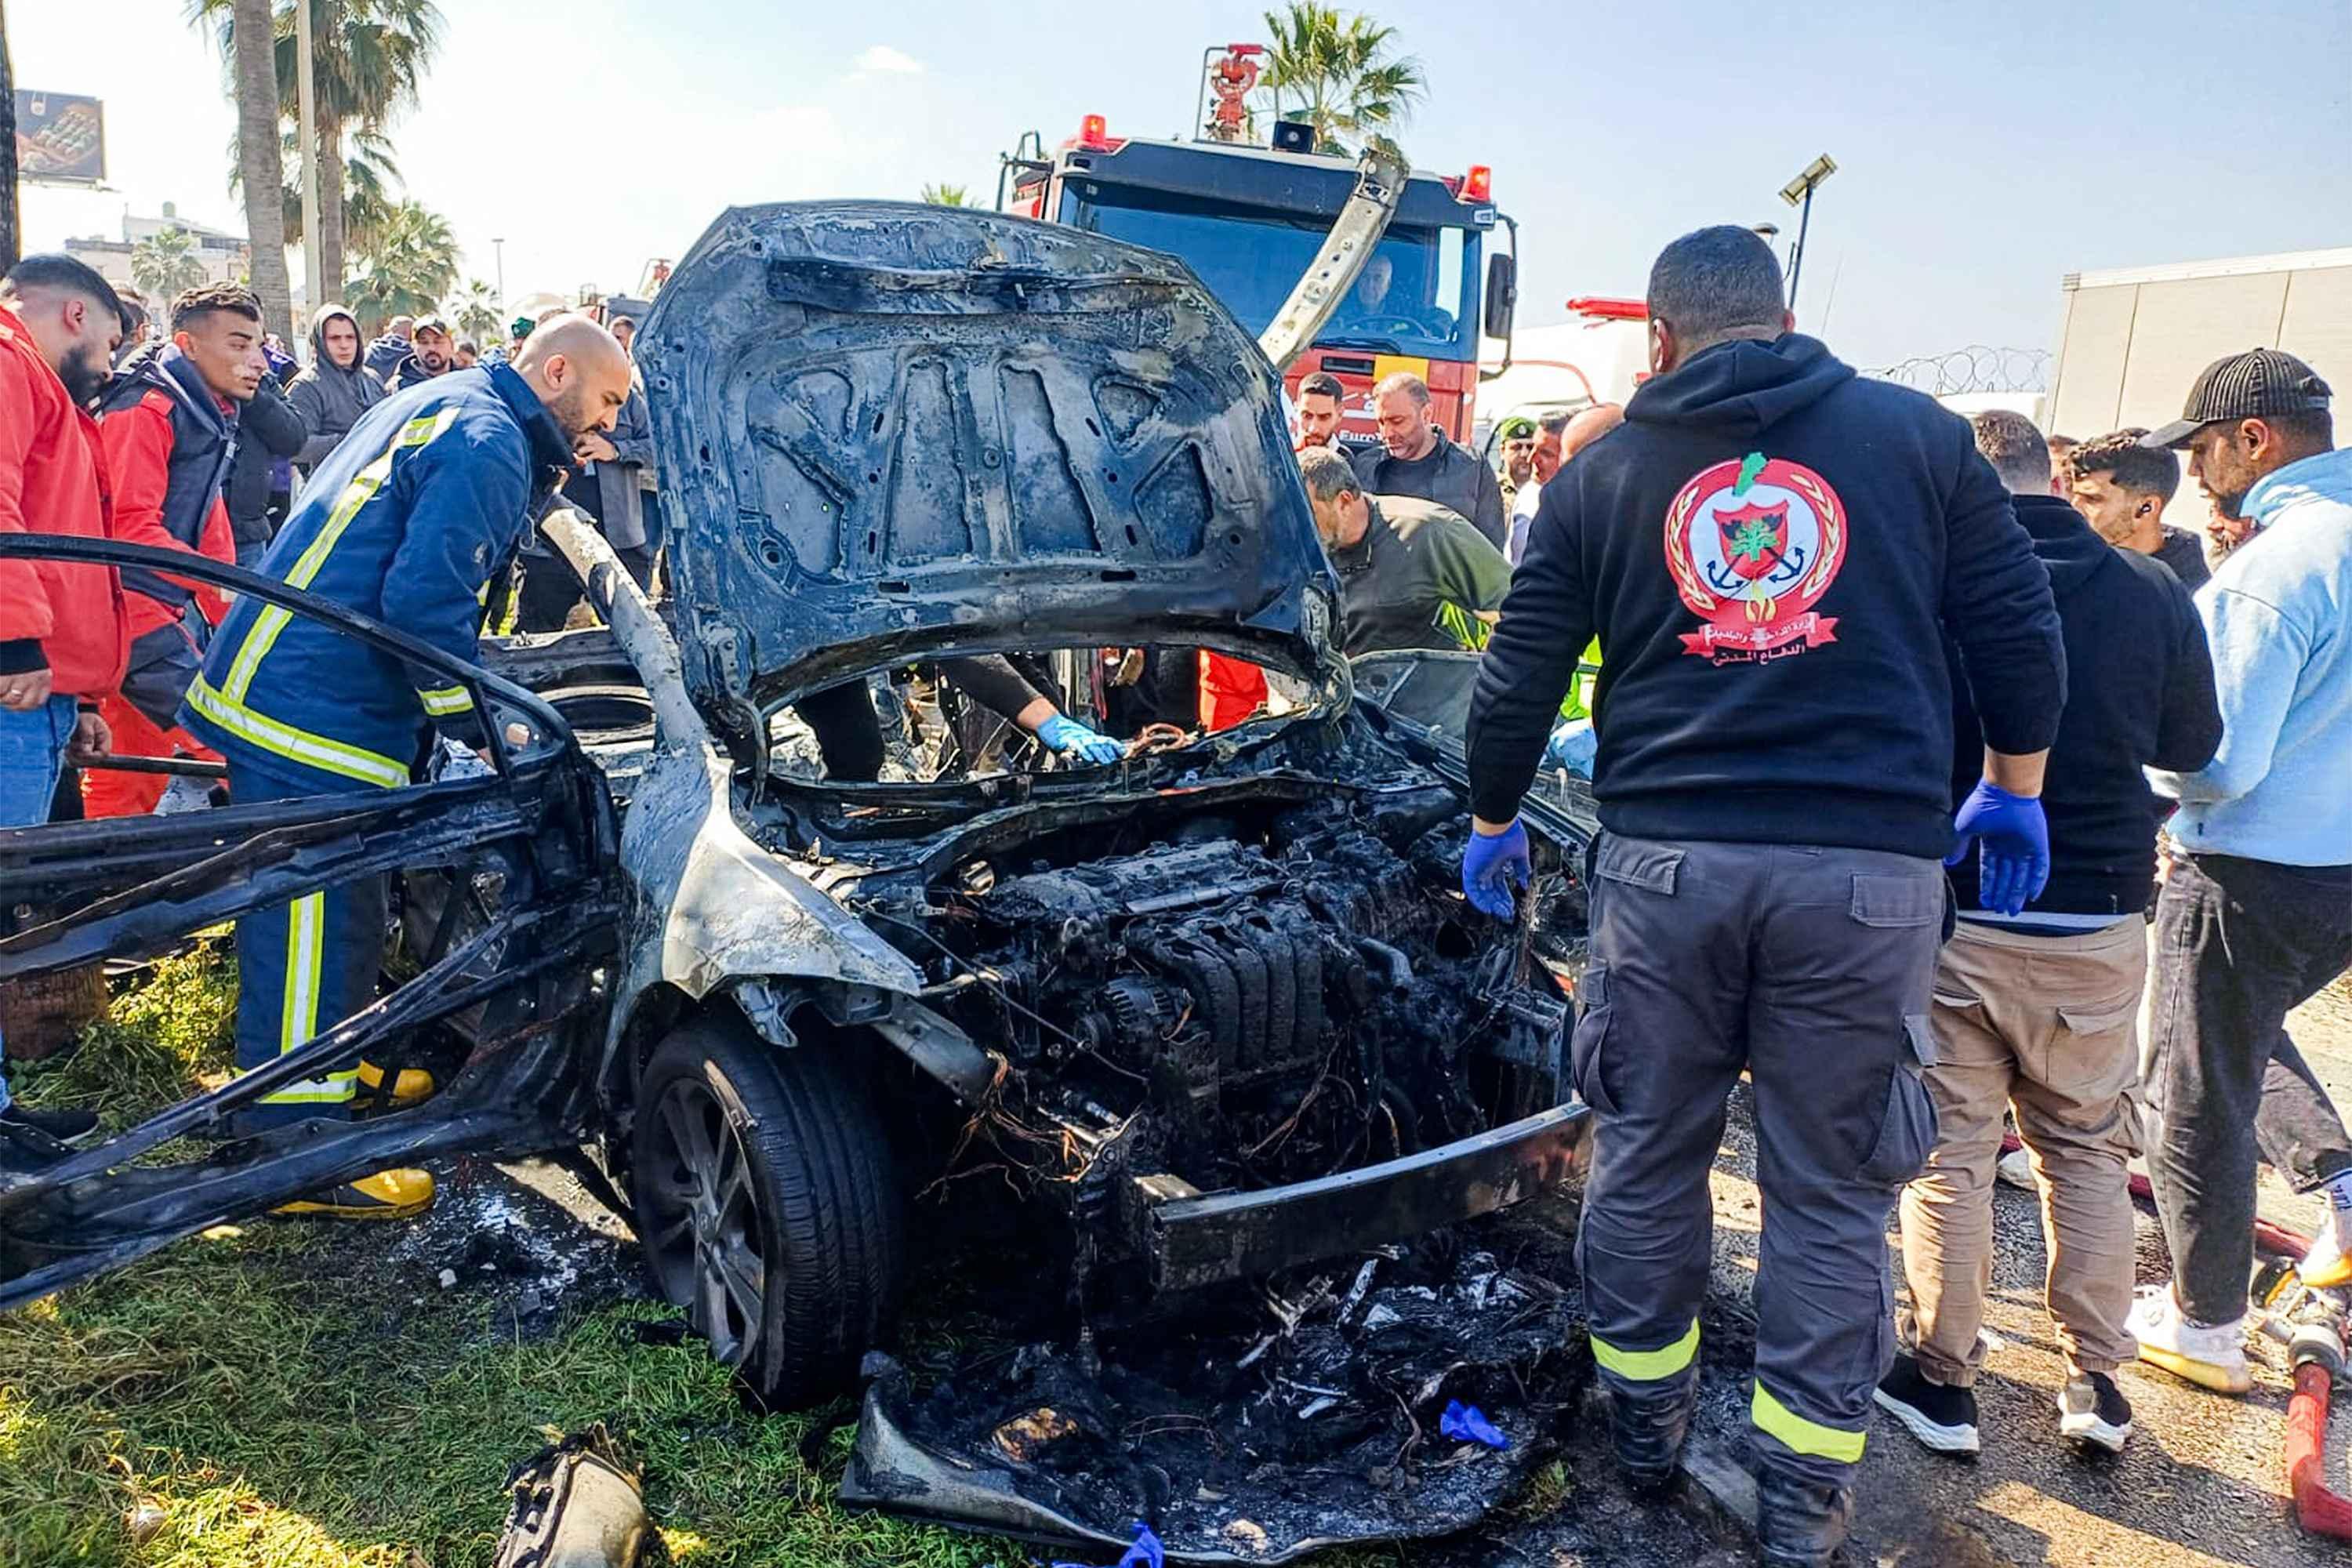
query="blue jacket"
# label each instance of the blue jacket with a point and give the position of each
(406, 521)
(2278, 614)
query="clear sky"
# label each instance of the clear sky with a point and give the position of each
(1985, 149)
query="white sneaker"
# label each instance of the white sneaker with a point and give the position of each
(2212, 1358)
(2015, 1169)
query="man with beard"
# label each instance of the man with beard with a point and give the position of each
(61, 625)
(1416, 459)
(434, 352)
(404, 522)
(2256, 914)
(334, 390)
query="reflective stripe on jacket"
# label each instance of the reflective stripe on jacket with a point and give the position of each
(405, 521)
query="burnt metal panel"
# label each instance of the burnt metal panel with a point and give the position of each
(1233, 1235)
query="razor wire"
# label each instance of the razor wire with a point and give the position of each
(1977, 368)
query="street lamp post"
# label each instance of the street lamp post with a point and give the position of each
(1799, 193)
(499, 245)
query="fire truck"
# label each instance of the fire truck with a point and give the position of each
(1251, 220)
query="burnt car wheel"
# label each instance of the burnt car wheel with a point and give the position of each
(766, 1205)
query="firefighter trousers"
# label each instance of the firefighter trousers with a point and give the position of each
(302, 967)
(1811, 968)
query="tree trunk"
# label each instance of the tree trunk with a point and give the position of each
(9, 240)
(331, 205)
(259, 165)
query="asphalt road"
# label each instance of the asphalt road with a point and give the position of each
(2201, 1482)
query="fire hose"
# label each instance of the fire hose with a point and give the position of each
(2316, 1350)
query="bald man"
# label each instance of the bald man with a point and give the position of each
(405, 521)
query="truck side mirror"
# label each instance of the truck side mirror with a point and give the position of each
(1502, 294)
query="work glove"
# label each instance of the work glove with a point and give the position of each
(2014, 837)
(1492, 865)
(1572, 746)
(1066, 736)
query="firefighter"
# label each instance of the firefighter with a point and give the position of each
(405, 521)
(1770, 550)
(170, 430)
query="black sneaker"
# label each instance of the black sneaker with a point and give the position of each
(2091, 1409)
(1941, 1416)
(1799, 1523)
(71, 1127)
(1649, 1430)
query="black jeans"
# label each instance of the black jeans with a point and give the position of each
(2238, 945)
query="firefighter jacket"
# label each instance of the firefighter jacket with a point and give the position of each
(405, 521)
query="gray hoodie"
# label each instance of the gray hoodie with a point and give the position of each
(329, 397)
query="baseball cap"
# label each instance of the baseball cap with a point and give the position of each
(1511, 429)
(520, 326)
(2254, 384)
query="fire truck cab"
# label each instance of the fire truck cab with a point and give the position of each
(1249, 220)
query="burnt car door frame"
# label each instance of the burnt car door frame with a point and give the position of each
(136, 888)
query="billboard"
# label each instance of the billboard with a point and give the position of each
(61, 136)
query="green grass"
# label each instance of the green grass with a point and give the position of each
(278, 1411)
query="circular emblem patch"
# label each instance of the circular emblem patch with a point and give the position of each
(1753, 545)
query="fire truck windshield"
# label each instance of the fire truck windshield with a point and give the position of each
(1417, 294)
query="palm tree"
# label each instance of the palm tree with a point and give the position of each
(944, 195)
(165, 262)
(370, 180)
(410, 269)
(476, 313)
(368, 56)
(1342, 65)
(260, 177)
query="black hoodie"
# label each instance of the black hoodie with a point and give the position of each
(2139, 693)
(1770, 550)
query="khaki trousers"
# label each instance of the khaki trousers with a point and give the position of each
(2046, 1025)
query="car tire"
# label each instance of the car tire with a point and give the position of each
(764, 1173)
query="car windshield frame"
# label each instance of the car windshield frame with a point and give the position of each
(1264, 252)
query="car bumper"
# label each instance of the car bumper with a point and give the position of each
(1193, 1240)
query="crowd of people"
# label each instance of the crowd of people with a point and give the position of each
(1805, 632)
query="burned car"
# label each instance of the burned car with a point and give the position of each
(1215, 1013)
(1220, 1009)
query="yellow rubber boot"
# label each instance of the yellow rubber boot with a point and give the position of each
(412, 1085)
(387, 1194)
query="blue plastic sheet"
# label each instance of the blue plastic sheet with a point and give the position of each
(1466, 1424)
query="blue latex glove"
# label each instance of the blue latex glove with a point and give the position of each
(1468, 1424)
(2013, 859)
(1572, 746)
(1492, 865)
(1147, 1551)
(1071, 739)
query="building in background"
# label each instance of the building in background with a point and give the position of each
(225, 258)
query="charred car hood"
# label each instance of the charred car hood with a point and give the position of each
(887, 431)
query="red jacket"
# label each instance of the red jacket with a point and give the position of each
(50, 482)
(138, 440)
